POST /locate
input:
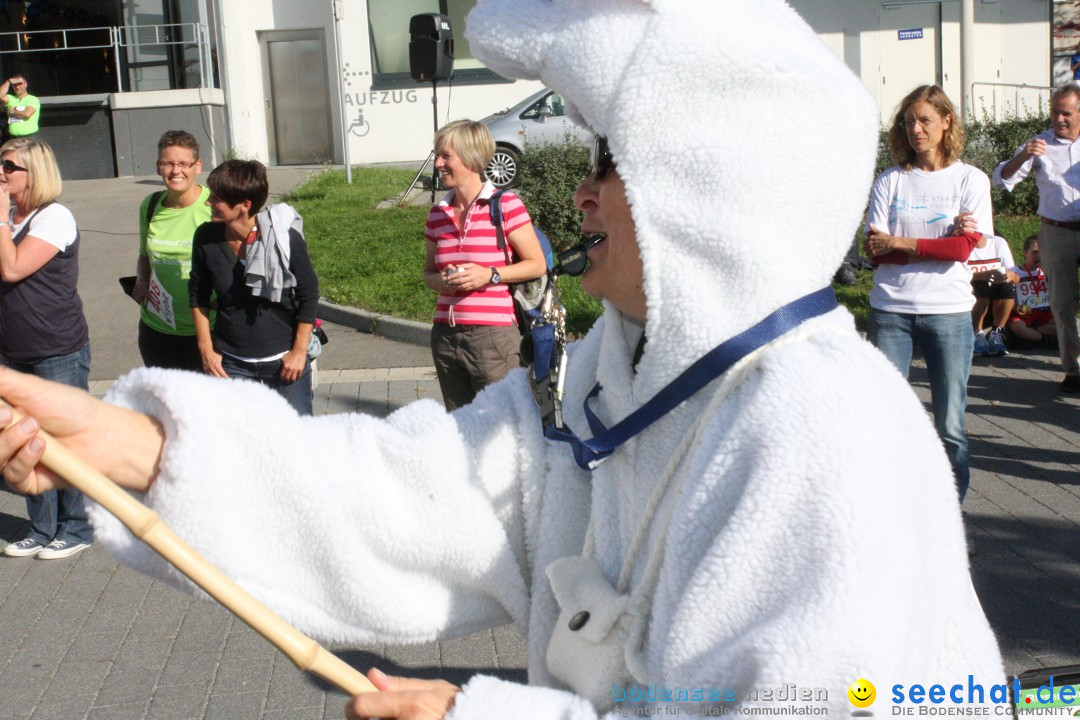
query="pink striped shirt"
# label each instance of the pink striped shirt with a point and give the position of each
(492, 304)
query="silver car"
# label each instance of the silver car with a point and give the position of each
(538, 119)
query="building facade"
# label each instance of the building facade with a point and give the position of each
(311, 82)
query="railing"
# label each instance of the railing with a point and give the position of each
(184, 35)
(1025, 99)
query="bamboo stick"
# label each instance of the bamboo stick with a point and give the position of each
(145, 524)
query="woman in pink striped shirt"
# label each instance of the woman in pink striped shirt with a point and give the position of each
(475, 338)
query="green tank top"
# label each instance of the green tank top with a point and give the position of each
(166, 242)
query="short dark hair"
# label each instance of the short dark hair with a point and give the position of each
(1031, 240)
(178, 138)
(235, 181)
(1069, 88)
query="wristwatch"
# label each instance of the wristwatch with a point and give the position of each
(495, 277)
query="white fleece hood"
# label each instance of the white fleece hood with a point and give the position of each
(746, 147)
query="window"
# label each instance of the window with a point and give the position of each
(71, 48)
(552, 101)
(388, 22)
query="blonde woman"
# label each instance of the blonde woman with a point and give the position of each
(474, 341)
(44, 329)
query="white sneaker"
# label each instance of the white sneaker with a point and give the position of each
(23, 548)
(61, 549)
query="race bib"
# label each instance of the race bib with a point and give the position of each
(1033, 293)
(160, 302)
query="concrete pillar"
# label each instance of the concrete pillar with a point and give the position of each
(967, 57)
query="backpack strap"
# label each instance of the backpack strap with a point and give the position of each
(495, 209)
(152, 206)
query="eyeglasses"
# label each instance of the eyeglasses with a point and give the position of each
(10, 167)
(925, 123)
(603, 161)
(178, 165)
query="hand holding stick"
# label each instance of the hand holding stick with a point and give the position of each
(145, 524)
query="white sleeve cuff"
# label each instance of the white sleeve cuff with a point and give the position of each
(486, 697)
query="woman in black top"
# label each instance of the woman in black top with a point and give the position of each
(257, 265)
(44, 329)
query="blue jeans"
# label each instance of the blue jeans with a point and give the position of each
(947, 342)
(58, 514)
(298, 392)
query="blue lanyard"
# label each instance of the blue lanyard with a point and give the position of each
(590, 453)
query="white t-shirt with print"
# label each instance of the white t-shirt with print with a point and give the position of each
(919, 204)
(995, 255)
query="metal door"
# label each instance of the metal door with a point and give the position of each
(298, 104)
(910, 52)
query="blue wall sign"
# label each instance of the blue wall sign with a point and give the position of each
(912, 34)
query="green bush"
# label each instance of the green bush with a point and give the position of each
(989, 143)
(548, 177)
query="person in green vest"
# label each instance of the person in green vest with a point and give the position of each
(23, 109)
(167, 222)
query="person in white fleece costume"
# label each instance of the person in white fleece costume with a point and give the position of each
(796, 542)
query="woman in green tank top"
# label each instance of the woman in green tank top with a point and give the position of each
(167, 221)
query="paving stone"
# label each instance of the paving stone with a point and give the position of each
(308, 713)
(291, 688)
(204, 628)
(372, 399)
(190, 668)
(411, 656)
(510, 648)
(126, 711)
(242, 674)
(343, 398)
(179, 702)
(236, 706)
(62, 705)
(474, 651)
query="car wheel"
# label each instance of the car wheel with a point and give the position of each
(503, 169)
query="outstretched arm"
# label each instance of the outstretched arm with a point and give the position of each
(427, 504)
(124, 445)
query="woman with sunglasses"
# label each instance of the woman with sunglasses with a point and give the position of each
(474, 339)
(44, 329)
(926, 215)
(167, 222)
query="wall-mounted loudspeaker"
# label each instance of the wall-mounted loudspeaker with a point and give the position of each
(431, 49)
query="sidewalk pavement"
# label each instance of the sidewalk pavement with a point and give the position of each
(85, 638)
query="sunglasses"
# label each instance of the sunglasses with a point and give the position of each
(10, 167)
(603, 161)
(573, 261)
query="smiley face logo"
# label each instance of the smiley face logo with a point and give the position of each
(862, 693)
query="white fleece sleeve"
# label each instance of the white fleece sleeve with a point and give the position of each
(486, 697)
(355, 529)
